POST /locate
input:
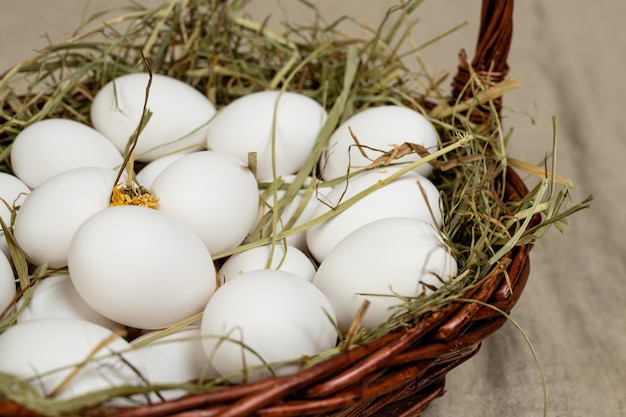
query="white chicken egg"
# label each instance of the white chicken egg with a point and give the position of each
(306, 214)
(7, 285)
(47, 352)
(395, 256)
(214, 193)
(251, 123)
(13, 192)
(266, 317)
(56, 297)
(285, 258)
(146, 176)
(48, 218)
(400, 198)
(176, 358)
(51, 146)
(180, 114)
(377, 128)
(140, 267)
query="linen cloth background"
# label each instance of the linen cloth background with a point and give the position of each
(570, 56)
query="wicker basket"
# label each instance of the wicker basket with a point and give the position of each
(401, 373)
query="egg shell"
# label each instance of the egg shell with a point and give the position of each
(267, 203)
(288, 259)
(148, 173)
(56, 297)
(7, 284)
(390, 256)
(35, 349)
(248, 125)
(49, 217)
(400, 198)
(377, 128)
(140, 267)
(176, 358)
(13, 192)
(51, 146)
(213, 193)
(275, 314)
(180, 114)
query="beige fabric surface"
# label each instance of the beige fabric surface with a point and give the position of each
(570, 56)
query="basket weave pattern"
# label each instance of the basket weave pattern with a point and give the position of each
(401, 373)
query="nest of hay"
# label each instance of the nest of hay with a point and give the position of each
(491, 218)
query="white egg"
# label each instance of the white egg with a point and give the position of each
(306, 214)
(56, 297)
(180, 114)
(13, 192)
(140, 267)
(177, 358)
(400, 198)
(377, 128)
(51, 146)
(288, 259)
(7, 285)
(47, 351)
(49, 217)
(389, 257)
(266, 317)
(214, 193)
(146, 176)
(251, 123)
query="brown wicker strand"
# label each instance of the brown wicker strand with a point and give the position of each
(423, 388)
(377, 358)
(388, 384)
(507, 304)
(416, 407)
(490, 61)
(495, 36)
(234, 393)
(456, 324)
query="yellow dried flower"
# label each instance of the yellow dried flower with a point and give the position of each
(124, 195)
